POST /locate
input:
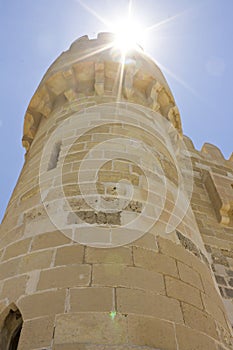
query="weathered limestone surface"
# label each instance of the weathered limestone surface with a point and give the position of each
(143, 259)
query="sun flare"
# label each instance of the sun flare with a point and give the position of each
(128, 35)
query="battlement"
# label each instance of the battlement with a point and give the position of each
(93, 68)
(209, 151)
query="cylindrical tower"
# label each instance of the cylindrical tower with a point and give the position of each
(99, 245)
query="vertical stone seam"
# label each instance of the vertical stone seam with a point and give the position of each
(67, 301)
(32, 282)
(84, 254)
(1, 286)
(91, 275)
(132, 254)
(201, 281)
(165, 285)
(3, 250)
(174, 326)
(54, 328)
(178, 271)
(30, 245)
(202, 301)
(159, 247)
(181, 309)
(53, 258)
(114, 299)
(73, 233)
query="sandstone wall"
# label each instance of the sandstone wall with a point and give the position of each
(115, 229)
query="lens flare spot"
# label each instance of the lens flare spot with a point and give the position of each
(112, 315)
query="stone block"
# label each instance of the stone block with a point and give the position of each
(204, 272)
(214, 310)
(213, 293)
(32, 192)
(199, 320)
(17, 248)
(147, 241)
(72, 254)
(3, 307)
(73, 157)
(189, 276)
(191, 339)
(65, 277)
(9, 268)
(42, 304)
(13, 288)
(126, 276)
(32, 281)
(155, 261)
(182, 291)
(229, 308)
(36, 334)
(121, 255)
(90, 328)
(176, 251)
(121, 165)
(14, 234)
(49, 239)
(151, 332)
(92, 299)
(35, 261)
(131, 301)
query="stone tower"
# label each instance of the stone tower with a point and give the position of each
(118, 234)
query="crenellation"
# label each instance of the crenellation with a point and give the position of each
(212, 152)
(57, 85)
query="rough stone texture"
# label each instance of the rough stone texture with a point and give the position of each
(42, 304)
(199, 320)
(146, 331)
(183, 292)
(18, 248)
(13, 288)
(37, 333)
(189, 276)
(69, 255)
(121, 255)
(154, 261)
(68, 276)
(140, 302)
(124, 276)
(34, 261)
(49, 239)
(188, 244)
(188, 338)
(156, 289)
(90, 328)
(92, 299)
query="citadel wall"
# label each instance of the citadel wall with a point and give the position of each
(164, 279)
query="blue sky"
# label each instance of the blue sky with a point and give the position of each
(193, 47)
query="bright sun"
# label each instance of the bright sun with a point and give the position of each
(128, 35)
